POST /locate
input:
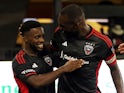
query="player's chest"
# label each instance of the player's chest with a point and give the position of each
(41, 65)
(80, 47)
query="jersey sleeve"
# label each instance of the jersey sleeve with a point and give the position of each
(22, 69)
(109, 55)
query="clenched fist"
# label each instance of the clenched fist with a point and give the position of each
(72, 65)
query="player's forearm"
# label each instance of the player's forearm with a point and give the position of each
(44, 79)
(117, 78)
(52, 76)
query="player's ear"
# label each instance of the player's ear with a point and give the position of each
(25, 39)
(21, 34)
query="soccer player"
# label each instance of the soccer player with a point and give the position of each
(74, 39)
(33, 65)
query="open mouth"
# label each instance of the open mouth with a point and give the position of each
(40, 45)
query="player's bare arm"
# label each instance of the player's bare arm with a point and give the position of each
(117, 78)
(44, 79)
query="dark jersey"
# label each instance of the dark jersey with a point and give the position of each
(24, 66)
(93, 48)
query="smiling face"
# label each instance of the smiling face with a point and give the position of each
(34, 39)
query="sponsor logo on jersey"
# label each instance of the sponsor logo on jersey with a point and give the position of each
(88, 48)
(48, 60)
(27, 71)
(64, 43)
(65, 56)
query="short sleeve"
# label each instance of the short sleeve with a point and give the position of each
(22, 71)
(110, 57)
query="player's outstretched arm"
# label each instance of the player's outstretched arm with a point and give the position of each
(44, 79)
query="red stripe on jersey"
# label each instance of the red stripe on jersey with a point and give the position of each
(89, 34)
(110, 57)
(101, 36)
(112, 63)
(97, 71)
(57, 29)
(22, 86)
(20, 57)
(32, 73)
(22, 54)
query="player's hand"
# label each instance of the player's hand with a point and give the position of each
(121, 48)
(72, 65)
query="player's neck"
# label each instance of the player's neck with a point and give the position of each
(86, 30)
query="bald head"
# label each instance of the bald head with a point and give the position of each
(71, 20)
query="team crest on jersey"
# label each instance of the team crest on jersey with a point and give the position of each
(48, 60)
(88, 48)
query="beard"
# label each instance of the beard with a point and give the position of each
(71, 34)
(40, 52)
(34, 48)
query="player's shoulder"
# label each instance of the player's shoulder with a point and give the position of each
(58, 31)
(98, 34)
(19, 58)
(104, 38)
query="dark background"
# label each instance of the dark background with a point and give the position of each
(12, 13)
